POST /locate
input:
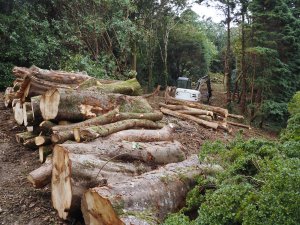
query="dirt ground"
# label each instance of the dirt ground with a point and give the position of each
(21, 204)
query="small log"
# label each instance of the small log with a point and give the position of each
(75, 106)
(9, 95)
(224, 126)
(238, 117)
(22, 137)
(78, 171)
(44, 152)
(27, 114)
(42, 140)
(204, 117)
(156, 193)
(35, 108)
(90, 133)
(218, 110)
(239, 125)
(30, 143)
(46, 126)
(62, 136)
(40, 177)
(18, 112)
(187, 110)
(188, 117)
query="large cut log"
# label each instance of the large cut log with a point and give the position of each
(59, 76)
(90, 133)
(35, 108)
(153, 194)
(18, 112)
(189, 117)
(81, 171)
(41, 176)
(110, 117)
(62, 104)
(128, 87)
(218, 110)
(163, 134)
(27, 114)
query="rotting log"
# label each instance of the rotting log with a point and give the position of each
(62, 104)
(189, 117)
(218, 110)
(134, 135)
(22, 137)
(90, 133)
(44, 152)
(74, 173)
(40, 177)
(153, 194)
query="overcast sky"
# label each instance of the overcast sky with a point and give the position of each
(208, 11)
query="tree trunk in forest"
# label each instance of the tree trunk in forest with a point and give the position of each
(90, 133)
(73, 171)
(153, 194)
(243, 63)
(189, 117)
(61, 104)
(41, 176)
(227, 66)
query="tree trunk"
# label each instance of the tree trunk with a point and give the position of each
(153, 194)
(90, 133)
(243, 63)
(61, 104)
(228, 56)
(72, 170)
(189, 117)
(41, 176)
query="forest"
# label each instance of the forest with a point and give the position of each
(254, 54)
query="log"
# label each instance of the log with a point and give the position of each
(30, 143)
(23, 87)
(187, 110)
(42, 140)
(59, 76)
(204, 117)
(163, 134)
(21, 72)
(80, 171)
(238, 117)
(192, 118)
(27, 114)
(94, 82)
(62, 104)
(18, 112)
(128, 87)
(90, 133)
(62, 136)
(110, 117)
(46, 126)
(218, 110)
(224, 126)
(17, 84)
(9, 95)
(239, 125)
(40, 177)
(35, 108)
(22, 137)
(44, 152)
(153, 194)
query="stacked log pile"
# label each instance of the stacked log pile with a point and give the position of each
(102, 147)
(205, 115)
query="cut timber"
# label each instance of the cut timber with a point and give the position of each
(90, 133)
(94, 82)
(239, 125)
(22, 137)
(188, 117)
(153, 194)
(62, 104)
(46, 126)
(78, 172)
(110, 117)
(187, 110)
(9, 96)
(42, 140)
(27, 114)
(23, 87)
(21, 72)
(18, 112)
(59, 137)
(224, 126)
(218, 110)
(128, 87)
(163, 134)
(44, 152)
(35, 108)
(162, 152)
(238, 117)
(30, 143)
(41, 176)
(59, 76)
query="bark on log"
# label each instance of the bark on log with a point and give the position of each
(35, 108)
(80, 171)
(59, 76)
(187, 110)
(154, 194)
(46, 126)
(94, 82)
(61, 104)
(27, 114)
(238, 117)
(22, 137)
(218, 110)
(62, 136)
(90, 133)
(30, 143)
(128, 87)
(188, 117)
(21, 72)
(40, 177)
(42, 140)
(44, 152)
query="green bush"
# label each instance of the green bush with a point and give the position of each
(294, 104)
